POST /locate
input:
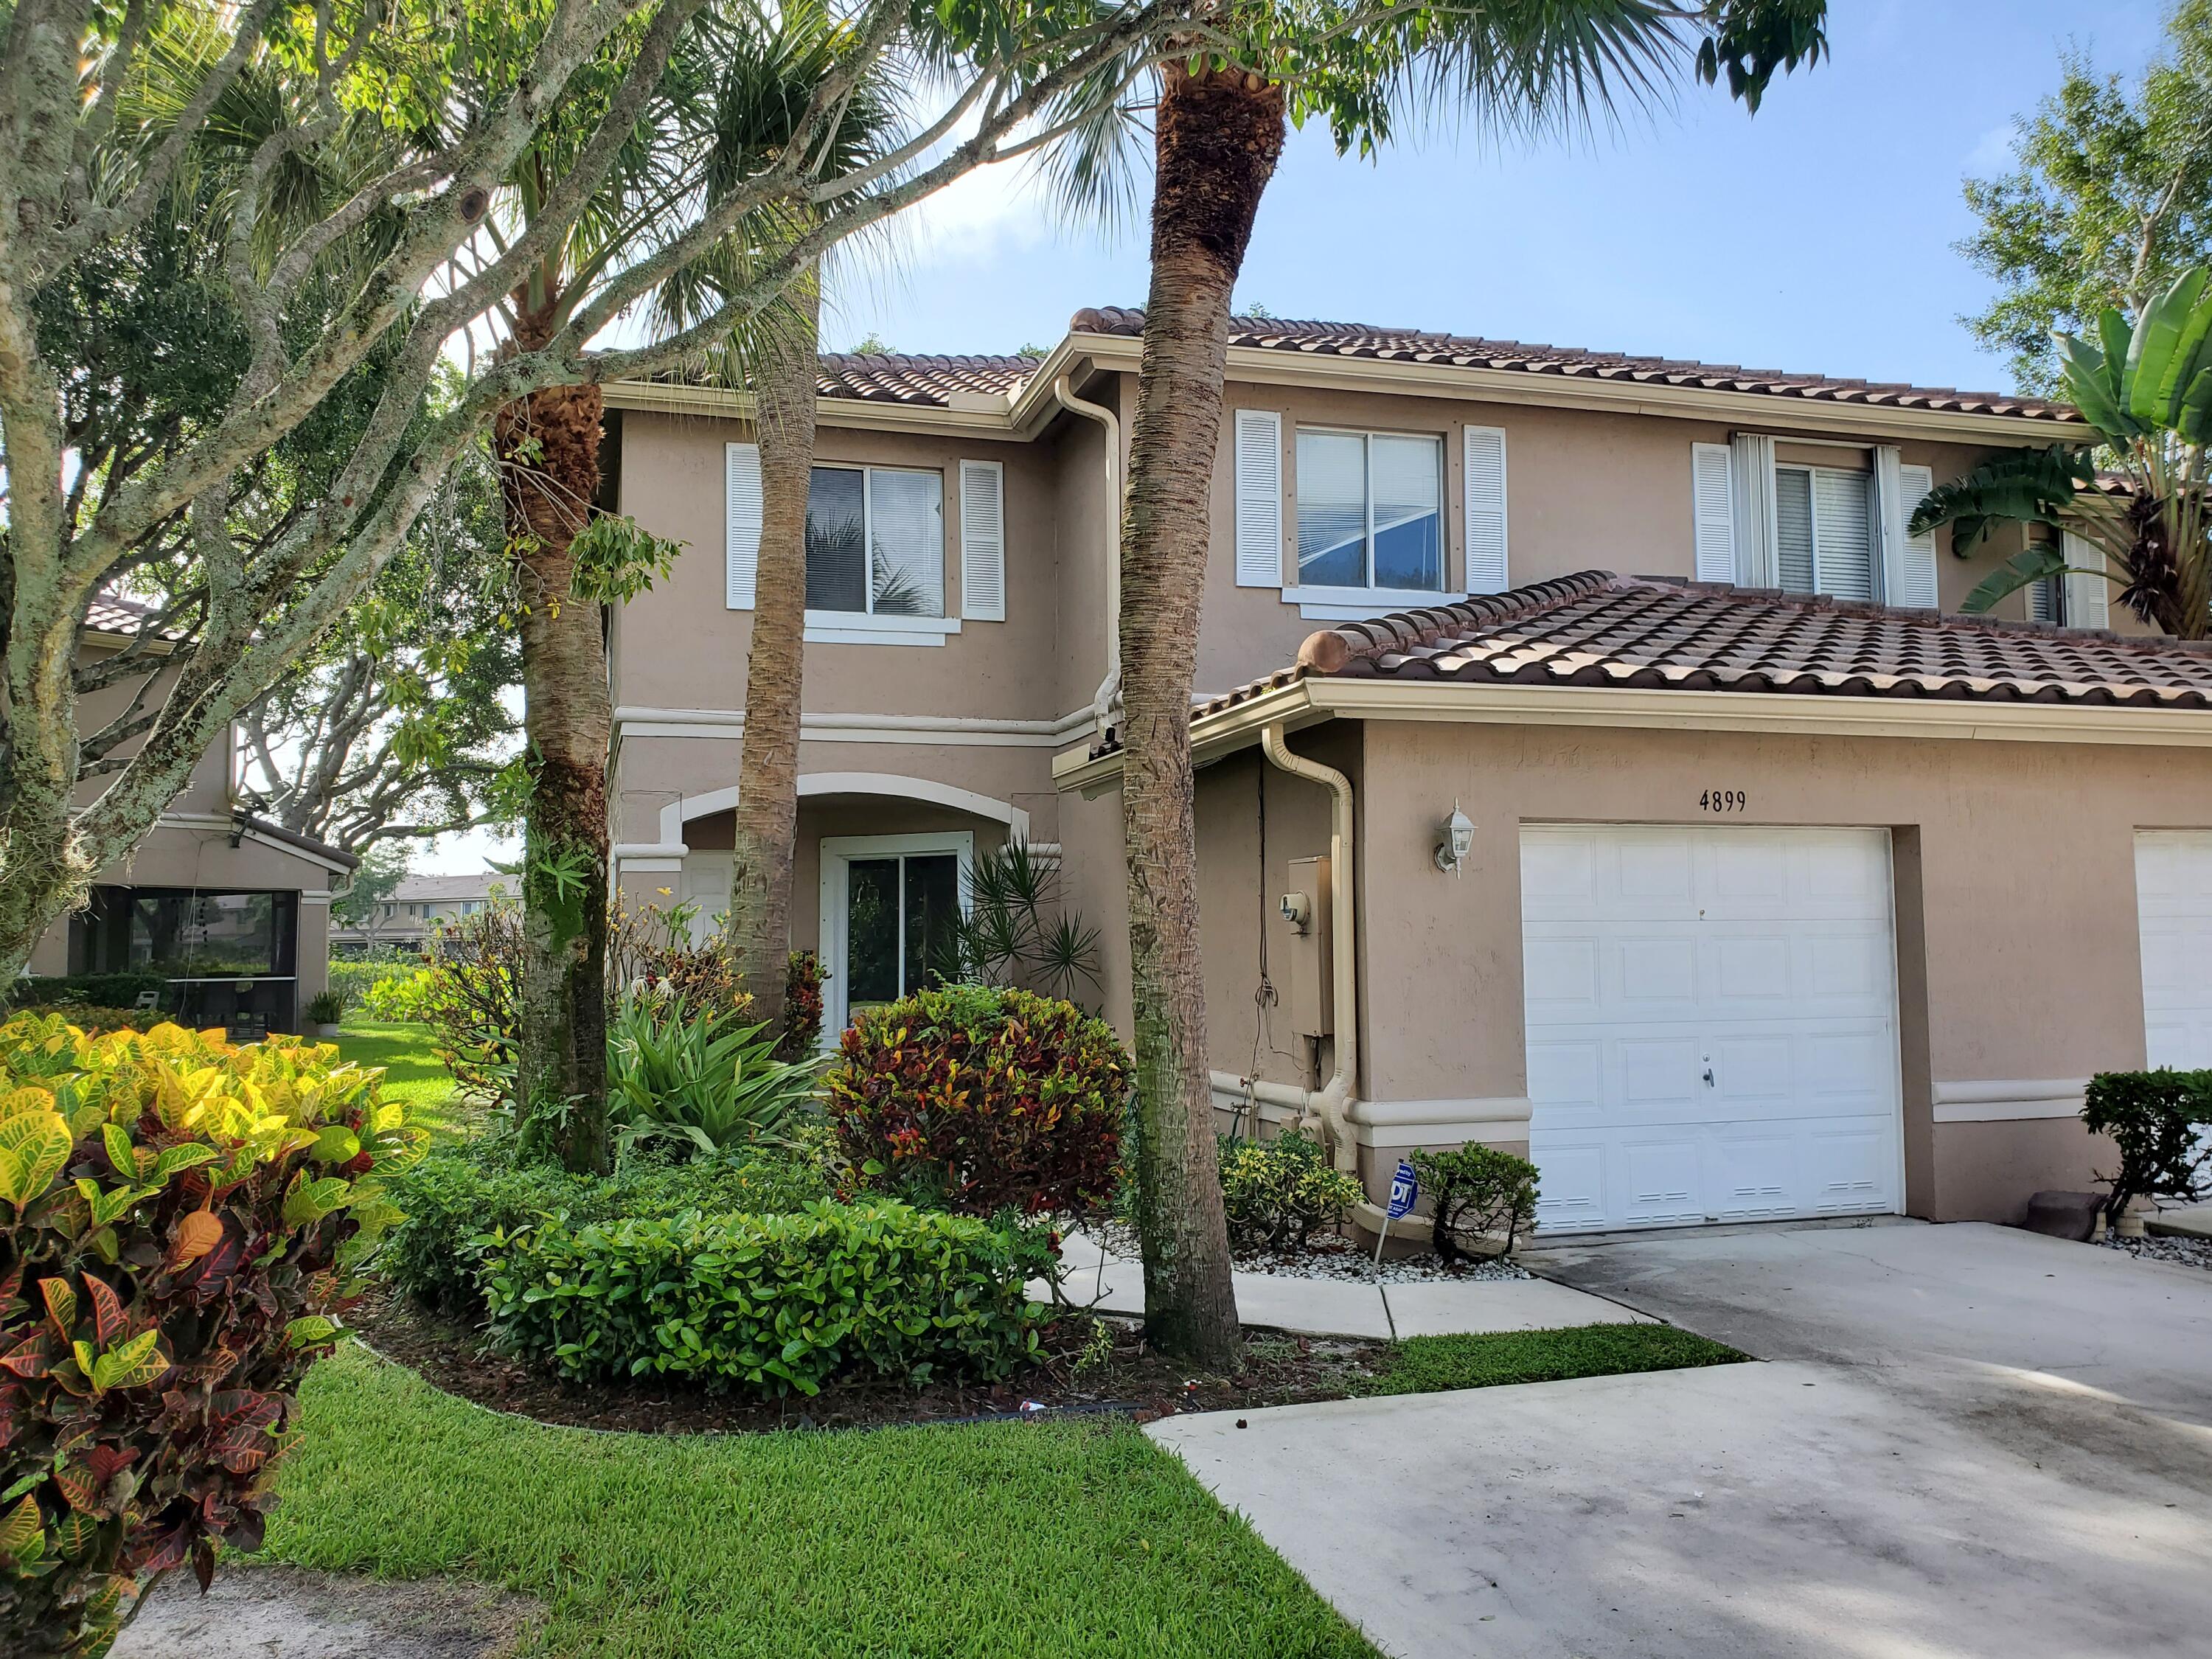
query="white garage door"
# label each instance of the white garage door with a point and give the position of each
(2173, 910)
(1712, 1024)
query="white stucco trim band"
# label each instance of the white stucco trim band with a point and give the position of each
(935, 730)
(1439, 1122)
(1305, 701)
(2009, 1100)
(897, 784)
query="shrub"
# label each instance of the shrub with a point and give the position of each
(1278, 1194)
(802, 1008)
(460, 1193)
(120, 990)
(653, 947)
(471, 1000)
(697, 1083)
(353, 978)
(2153, 1117)
(87, 1018)
(981, 1100)
(326, 1008)
(1476, 1192)
(403, 997)
(1015, 930)
(771, 1303)
(175, 1214)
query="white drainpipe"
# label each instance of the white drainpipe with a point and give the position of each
(1109, 688)
(1333, 1103)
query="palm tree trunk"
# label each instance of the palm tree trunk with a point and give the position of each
(1219, 136)
(549, 450)
(767, 764)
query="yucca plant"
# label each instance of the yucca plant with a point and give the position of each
(1015, 933)
(699, 1081)
(2136, 496)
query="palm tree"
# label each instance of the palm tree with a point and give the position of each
(734, 94)
(2135, 497)
(1519, 67)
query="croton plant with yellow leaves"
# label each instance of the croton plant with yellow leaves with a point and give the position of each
(178, 1219)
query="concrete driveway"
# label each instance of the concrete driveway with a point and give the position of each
(1967, 1441)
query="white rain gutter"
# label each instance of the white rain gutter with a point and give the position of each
(1109, 688)
(1333, 1103)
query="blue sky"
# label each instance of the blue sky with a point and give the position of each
(1815, 235)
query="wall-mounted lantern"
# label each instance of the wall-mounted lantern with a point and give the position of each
(1455, 840)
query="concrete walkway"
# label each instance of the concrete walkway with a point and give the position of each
(1971, 1443)
(1337, 1307)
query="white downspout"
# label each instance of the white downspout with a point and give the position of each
(1333, 1104)
(1109, 688)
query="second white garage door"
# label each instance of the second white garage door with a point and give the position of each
(2173, 907)
(1712, 1024)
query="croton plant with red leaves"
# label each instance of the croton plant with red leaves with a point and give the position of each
(177, 1217)
(980, 1099)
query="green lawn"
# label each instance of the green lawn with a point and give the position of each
(411, 1073)
(1072, 1538)
(1429, 1365)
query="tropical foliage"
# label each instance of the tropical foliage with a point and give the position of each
(690, 1084)
(2136, 497)
(771, 1304)
(2109, 200)
(176, 1218)
(1278, 1194)
(981, 1100)
(1015, 931)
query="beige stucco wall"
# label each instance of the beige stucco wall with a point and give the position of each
(2014, 873)
(680, 646)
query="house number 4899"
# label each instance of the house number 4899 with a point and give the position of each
(1722, 800)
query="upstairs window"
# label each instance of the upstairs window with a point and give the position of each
(875, 542)
(1370, 511)
(1824, 531)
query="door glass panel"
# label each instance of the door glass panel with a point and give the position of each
(932, 900)
(835, 568)
(872, 931)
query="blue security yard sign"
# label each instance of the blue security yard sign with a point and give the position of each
(1404, 1190)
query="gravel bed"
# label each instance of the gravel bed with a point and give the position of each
(2183, 1252)
(1337, 1258)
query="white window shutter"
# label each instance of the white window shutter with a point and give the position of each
(1751, 485)
(1911, 576)
(1713, 512)
(742, 504)
(983, 541)
(2088, 595)
(1486, 571)
(1259, 441)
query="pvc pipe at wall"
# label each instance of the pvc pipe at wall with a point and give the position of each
(1109, 688)
(1333, 1102)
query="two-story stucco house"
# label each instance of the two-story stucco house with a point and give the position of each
(1749, 881)
(411, 916)
(232, 911)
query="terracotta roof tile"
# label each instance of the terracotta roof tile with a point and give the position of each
(884, 377)
(1599, 629)
(1465, 351)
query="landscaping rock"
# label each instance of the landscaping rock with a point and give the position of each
(281, 1612)
(2065, 1215)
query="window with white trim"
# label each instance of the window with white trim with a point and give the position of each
(1369, 511)
(875, 541)
(1824, 531)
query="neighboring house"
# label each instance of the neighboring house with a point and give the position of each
(418, 906)
(1773, 898)
(233, 911)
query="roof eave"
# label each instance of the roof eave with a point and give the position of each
(1312, 700)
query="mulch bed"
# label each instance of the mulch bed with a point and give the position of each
(1279, 1370)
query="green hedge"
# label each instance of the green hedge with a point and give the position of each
(101, 990)
(459, 1194)
(352, 978)
(771, 1303)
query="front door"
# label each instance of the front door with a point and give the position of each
(887, 901)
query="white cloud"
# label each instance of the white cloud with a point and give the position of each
(992, 211)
